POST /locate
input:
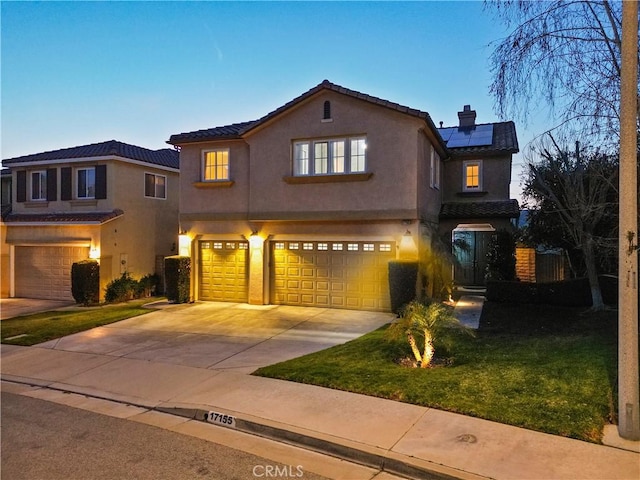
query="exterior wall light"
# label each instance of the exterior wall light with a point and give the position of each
(408, 249)
(184, 245)
(94, 253)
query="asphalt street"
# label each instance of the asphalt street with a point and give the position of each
(47, 441)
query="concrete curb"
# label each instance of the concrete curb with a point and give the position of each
(378, 458)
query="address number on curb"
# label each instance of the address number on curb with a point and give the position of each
(220, 419)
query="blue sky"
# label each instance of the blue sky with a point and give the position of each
(75, 73)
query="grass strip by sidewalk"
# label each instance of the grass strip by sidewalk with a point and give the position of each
(29, 330)
(546, 369)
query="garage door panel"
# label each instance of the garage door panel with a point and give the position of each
(223, 271)
(45, 271)
(353, 274)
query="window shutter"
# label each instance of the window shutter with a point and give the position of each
(101, 181)
(52, 184)
(66, 190)
(21, 187)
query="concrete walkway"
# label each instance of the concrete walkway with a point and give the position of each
(399, 438)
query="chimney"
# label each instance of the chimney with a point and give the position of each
(467, 117)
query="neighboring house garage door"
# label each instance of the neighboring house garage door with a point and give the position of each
(332, 274)
(224, 271)
(45, 272)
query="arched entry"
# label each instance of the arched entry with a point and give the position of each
(470, 246)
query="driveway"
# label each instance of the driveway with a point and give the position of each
(224, 336)
(15, 307)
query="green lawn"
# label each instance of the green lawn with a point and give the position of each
(40, 327)
(544, 368)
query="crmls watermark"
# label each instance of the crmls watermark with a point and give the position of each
(278, 471)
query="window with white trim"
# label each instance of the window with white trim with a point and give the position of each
(338, 156)
(435, 169)
(86, 182)
(215, 165)
(39, 185)
(155, 186)
(472, 176)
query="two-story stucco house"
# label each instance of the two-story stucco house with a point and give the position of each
(112, 201)
(307, 205)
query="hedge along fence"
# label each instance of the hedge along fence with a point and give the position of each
(566, 293)
(403, 278)
(85, 282)
(177, 275)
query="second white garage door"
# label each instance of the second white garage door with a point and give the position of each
(45, 271)
(331, 274)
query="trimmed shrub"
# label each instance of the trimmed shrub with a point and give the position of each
(122, 289)
(177, 275)
(403, 277)
(149, 285)
(85, 282)
(566, 293)
(501, 256)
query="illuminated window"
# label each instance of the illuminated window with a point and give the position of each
(243, 246)
(323, 246)
(368, 247)
(337, 246)
(329, 157)
(294, 245)
(231, 246)
(385, 247)
(279, 246)
(472, 175)
(39, 185)
(215, 165)
(352, 247)
(206, 245)
(86, 182)
(307, 246)
(155, 186)
(217, 245)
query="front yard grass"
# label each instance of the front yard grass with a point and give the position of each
(544, 368)
(29, 330)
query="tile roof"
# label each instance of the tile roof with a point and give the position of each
(165, 157)
(75, 217)
(227, 132)
(504, 140)
(500, 208)
(239, 129)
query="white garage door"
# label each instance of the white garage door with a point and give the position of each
(332, 274)
(45, 272)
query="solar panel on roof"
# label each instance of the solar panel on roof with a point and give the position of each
(478, 136)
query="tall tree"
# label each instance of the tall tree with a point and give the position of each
(576, 197)
(565, 53)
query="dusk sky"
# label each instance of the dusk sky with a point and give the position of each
(75, 73)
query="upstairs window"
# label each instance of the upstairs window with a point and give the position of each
(472, 176)
(215, 165)
(155, 186)
(435, 169)
(86, 182)
(329, 157)
(39, 185)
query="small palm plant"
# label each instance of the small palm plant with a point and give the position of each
(420, 322)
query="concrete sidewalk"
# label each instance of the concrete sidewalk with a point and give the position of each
(403, 439)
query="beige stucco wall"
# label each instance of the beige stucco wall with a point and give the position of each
(5, 271)
(496, 177)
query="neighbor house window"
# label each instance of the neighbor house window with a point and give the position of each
(472, 176)
(155, 186)
(215, 165)
(330, 156)
(39, 185)
(86, 182)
